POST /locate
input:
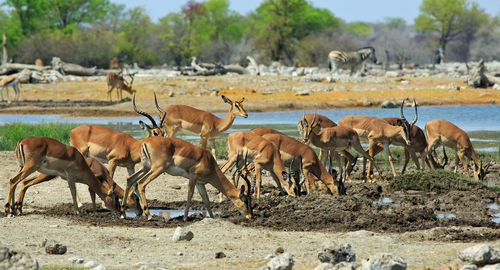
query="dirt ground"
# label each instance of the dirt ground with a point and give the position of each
(409, 226)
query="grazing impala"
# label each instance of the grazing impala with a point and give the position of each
(50, 157)
(11, 80)
(264, 155)
(325, 123)
(378, 131)
(291, 149)
(446, 133)
(97, 169)
(115, 80)
(180, 158)
(110, 146)
(335, 139)
(202, 123)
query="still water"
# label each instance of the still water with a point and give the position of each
(469, 117)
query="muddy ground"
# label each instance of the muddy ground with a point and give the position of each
(409, 226)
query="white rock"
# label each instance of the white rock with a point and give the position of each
(90, 264)
(480, 254)
(491, 267)
(180, 235)
(383, 261)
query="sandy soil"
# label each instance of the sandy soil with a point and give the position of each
(300, 226)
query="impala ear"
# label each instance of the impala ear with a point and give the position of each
(226, 100)
(144, 126)
(112, 190)
(241, 100)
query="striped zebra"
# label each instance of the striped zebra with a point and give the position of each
(350, 60)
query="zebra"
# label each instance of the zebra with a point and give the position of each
(13, 81)
(350, 60)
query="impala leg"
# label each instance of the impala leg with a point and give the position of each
(142, 183)
(389, 156)
(192, 183)
(92, 198)
(407, 160)
(229, 164)
(72, 188)
(204, 142)
(204, 197)
(131, 180)
(25, 185)
(258, 180)
(110, 88)
(413, 157)
(460, 155)
(14, 181)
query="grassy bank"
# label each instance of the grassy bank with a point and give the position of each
(10, 134)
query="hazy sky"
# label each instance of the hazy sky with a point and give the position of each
(348, 10)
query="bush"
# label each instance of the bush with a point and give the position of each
(10, 134)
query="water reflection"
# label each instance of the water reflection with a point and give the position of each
(166, 212)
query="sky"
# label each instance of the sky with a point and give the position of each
(348, 10)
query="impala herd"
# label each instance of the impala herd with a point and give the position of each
(248, 151)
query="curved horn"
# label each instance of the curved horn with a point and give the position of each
(402, 113)
(302, 175)
(163, 113)
(416, 113)
(314, 118)
(143, 113)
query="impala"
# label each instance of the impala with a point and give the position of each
(418, 145)
(50, 157)
(110, 146)
(446, 133)
(291, 149)
(335, 139)
(325, 123)
(180, 158)
(97, 169)
(199, 122)
(11, 80)
(264, 155)
(378, 131)
(115, 80)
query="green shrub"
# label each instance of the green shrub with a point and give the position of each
(10, 134)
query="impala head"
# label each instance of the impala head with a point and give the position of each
(246, 190)
(112, 199)
(236, 106)
(408, 126)
(482, 171)
(153, 130)
(308, 128)
(339, 184)
(128, 87)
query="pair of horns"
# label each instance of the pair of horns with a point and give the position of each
(304, 121)
(416, 112)
(153, 122)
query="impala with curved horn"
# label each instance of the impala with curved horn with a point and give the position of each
(199, 122)
(110, 146)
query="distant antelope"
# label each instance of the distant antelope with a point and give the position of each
(350, 60)
(114, 63)
(39, 62)
(115, 80)
(13, 81)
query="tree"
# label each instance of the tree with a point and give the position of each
(449, 19)
(69, 14)
(281, 24)
(31, 13)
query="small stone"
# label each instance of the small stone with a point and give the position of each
(43, 243)
(480, 254)
(220, 255)
(54, 226)
(281, 262)
(469, 267)
(179, 254)
(180, 235)
(279, 251)
(55, 248)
